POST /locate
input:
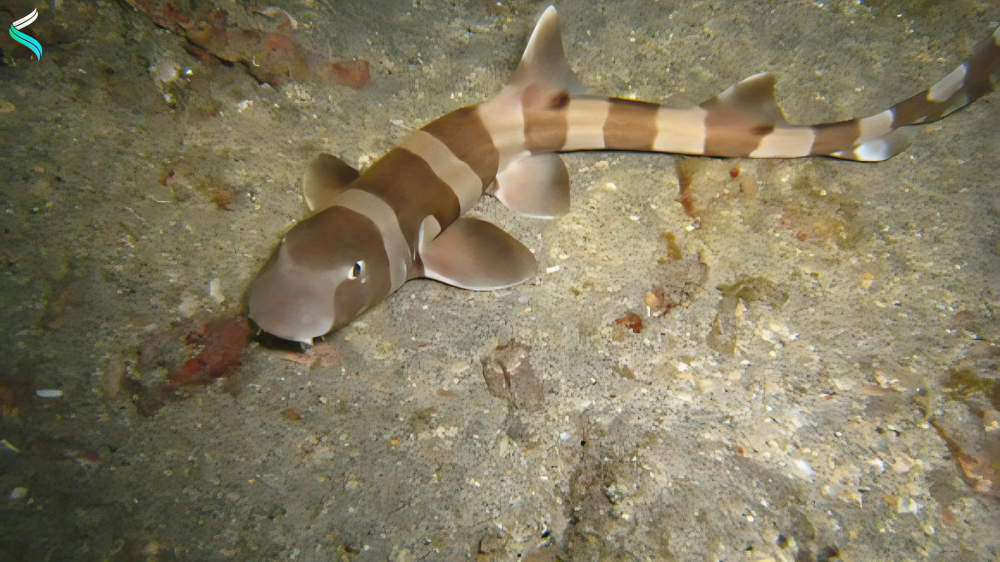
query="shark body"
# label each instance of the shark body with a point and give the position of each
(402, 218)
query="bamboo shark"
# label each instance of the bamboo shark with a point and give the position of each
(402, 218)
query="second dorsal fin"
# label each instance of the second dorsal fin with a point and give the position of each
(752, 98)
(739, 119)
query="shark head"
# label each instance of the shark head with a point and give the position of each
(327, 269)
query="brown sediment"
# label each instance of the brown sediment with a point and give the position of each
(272, 58)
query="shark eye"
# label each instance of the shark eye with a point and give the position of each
(358, 270)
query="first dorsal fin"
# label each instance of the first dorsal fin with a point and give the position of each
(544, 61)
(326, 177)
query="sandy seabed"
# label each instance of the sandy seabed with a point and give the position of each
(824, 382)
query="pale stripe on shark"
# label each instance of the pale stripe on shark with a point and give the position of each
(586, 119)
(876, 125)
(503, 119)
(461, 178)
(385, 219)
(786, 142)
(948, 85)
(680, 130)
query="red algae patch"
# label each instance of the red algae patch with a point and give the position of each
(222, 342)
(218, 344)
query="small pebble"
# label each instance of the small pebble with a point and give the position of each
(18, 493)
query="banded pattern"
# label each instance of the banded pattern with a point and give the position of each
(402, 218)
(361, 243)
(743, 121)
(967, 83)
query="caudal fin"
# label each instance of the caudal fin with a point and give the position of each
(883, 135)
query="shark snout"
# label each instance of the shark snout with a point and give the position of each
(291, 302)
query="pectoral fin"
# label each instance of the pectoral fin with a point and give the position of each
(476, 255)
(326, 177)
(535, 186)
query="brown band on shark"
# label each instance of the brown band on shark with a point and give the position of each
(631, 125)
(546, 120)
(835, 137)
(350, 299)
(982, 66)
(545, 131)
(378, 263)
(413, 195)
(912, 110)
(461, 178)
(740, 117)
(928, 106)
(465, 134)
(308, 242)
(733, 135)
